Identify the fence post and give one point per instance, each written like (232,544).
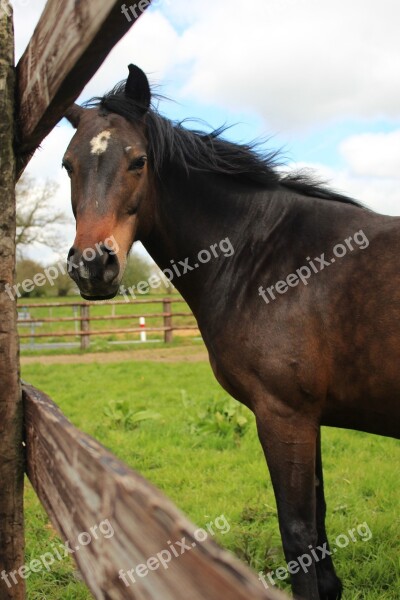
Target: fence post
(168,333)
(85,326)
(11,411)
(76,322)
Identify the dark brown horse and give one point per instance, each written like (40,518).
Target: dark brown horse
(301,320)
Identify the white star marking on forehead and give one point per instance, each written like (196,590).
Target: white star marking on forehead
(99,143)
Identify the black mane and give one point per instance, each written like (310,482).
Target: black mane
(170,142)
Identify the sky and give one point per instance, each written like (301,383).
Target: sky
(318,79)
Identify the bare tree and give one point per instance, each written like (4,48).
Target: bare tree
(38,222)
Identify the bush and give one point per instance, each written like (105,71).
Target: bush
(27,269)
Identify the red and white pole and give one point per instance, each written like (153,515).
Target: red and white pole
(142,325)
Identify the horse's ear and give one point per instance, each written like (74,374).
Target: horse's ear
(73,114)
(137,87)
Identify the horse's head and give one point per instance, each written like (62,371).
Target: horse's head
(110,188)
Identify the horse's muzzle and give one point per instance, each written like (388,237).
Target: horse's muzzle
(95,271)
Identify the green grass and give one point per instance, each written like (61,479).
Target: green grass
(207,474)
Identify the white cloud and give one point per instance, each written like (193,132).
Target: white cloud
(373,154)
(26,15)
(46,162)
(295,63)
(381,194)
(152,44)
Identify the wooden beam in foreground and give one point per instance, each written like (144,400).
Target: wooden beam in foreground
(69,44)
(11,419)
(82,485)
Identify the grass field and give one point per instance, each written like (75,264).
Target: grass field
(208,469)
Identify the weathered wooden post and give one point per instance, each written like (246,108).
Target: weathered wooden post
(168,333)
(85,326)
(11,414)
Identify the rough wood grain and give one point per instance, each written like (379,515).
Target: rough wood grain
(69,44)
(81,484)
(11,450)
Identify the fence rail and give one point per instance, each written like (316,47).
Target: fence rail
(83,320)
(81,484)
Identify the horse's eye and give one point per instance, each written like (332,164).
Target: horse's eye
(138,163)
(67,166)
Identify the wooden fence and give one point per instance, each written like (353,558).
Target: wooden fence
(77,480)
(83,319)
(80,483)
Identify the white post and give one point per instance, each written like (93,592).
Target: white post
(142,325)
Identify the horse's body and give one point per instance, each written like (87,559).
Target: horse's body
(322,351)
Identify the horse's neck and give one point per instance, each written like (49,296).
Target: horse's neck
(202,204)
(194,214)
(203,209)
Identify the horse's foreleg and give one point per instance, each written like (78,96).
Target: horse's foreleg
(289,445)
(329,585)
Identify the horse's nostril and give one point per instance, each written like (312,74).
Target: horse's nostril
(106,252)
(111,266)
(71,252)
(107,255)
(71,260)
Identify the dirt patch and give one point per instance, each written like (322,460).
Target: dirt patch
(167,355)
